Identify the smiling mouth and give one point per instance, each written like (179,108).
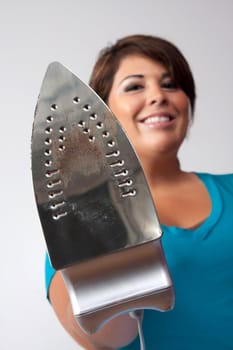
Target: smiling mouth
(157,119)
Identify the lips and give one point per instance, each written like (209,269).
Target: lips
(157,118)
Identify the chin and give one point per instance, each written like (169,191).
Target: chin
(157,151)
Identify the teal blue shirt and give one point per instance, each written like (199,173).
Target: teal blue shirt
(201,266)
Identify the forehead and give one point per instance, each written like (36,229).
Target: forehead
(138,64)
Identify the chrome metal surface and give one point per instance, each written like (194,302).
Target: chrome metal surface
(90,189)
(131,279)
(95,207)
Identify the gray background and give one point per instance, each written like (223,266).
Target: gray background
(34,33)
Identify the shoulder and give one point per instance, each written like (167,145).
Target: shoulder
(228,177)
(224,181)
(49,274)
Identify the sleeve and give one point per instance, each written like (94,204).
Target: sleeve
(49,273)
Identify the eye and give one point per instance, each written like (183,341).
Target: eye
(133,87)
(169,85)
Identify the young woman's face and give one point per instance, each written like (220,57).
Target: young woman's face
(151,108)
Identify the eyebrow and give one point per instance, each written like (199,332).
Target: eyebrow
(132,76)
(164,75)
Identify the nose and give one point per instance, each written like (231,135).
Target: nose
(156,95)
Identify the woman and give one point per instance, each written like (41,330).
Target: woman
(148,85)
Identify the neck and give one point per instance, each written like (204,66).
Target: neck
(162,171)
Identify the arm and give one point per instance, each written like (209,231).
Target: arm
(117,333)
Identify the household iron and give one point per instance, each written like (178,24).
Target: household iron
(97,214)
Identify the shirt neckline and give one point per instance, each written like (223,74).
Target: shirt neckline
(216,208)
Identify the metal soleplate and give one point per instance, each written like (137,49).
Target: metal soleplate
(91,192)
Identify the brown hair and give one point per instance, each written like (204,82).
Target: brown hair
(153,47)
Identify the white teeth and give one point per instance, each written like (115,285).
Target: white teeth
(157,119)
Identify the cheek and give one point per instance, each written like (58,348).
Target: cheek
(123,110)
(184,104)
(124,113)
(183,107)
(115,107)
